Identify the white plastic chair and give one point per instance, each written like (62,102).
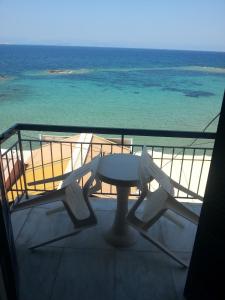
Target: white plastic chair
(75,199)
(158,202)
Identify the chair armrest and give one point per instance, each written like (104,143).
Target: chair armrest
(185,190)
(41,199)
(78,173)
(47,180)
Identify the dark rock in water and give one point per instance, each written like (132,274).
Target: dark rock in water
(2,95)
(3,77)
(196,94)
(171,89)
(69,71)
(55,71)
(59,71)
(136,92)
(189,93)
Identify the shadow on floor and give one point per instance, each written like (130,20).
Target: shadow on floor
(86,267)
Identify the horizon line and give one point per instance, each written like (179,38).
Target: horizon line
(110,47)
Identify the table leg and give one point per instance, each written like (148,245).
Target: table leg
(121,234)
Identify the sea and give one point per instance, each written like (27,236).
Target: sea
(110,87)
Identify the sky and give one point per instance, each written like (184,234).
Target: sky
(158,24)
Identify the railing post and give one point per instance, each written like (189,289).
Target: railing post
(23,165)
(122,141)
(8,252)
(3,194)
(2,186)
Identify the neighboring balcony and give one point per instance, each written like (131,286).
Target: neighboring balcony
(86,266)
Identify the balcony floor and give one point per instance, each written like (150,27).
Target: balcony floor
(86,267)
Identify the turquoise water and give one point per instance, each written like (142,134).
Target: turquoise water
(128,88)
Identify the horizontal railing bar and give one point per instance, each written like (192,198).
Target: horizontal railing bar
(120,131)
(155,158)
(116,144)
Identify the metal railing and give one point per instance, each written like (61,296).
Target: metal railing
(188,165)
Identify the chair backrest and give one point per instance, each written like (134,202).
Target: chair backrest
(148,169)
(147,166)
(155,204)
(76,199)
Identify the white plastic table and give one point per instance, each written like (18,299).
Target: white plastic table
(121,170)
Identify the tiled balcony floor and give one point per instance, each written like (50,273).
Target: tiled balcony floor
(86,267)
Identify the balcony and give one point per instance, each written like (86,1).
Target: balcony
(86,266)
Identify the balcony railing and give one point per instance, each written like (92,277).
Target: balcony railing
(187,165)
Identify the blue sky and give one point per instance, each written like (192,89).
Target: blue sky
(164,24)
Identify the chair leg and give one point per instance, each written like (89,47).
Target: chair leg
(54,240)
(163,248)
(55,210)
(180,209)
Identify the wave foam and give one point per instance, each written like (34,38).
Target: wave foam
(205,69)
(68,72)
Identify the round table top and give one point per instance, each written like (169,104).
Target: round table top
(119,169)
